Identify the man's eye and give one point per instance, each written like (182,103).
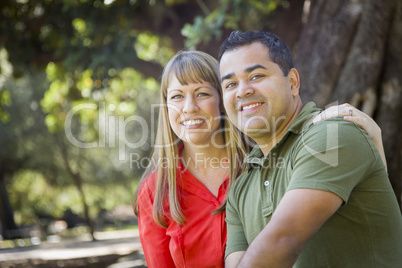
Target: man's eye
(254,77)
(203,94)
(230,85)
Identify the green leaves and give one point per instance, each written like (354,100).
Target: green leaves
(203,29)
(152,47)
(230,15)
(5,100)
(102,54)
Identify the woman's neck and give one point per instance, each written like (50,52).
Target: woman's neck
(204,157)
(208,165)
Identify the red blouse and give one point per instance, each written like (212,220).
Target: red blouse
(200,242)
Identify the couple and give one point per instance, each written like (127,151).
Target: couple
(309,194)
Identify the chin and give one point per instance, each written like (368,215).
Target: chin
(195,141)
(256,131)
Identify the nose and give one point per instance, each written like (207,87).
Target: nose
(244,90)
(190,106)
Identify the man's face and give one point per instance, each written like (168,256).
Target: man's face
(257,96)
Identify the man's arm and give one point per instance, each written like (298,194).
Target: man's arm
(236,243)
(299,215)
(233,259)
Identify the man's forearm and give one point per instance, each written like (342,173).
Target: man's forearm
(299,215)
(233,260)
(270,250)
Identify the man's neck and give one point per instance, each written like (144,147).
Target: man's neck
(270,141)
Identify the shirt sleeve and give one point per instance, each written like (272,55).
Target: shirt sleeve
(334,156)
(236,239)
(155,242)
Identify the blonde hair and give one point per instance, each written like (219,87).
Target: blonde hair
(187,67)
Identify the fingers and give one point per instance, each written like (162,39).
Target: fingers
(348,110)
(366,123)
(338,110)
(351,114)
(357,120)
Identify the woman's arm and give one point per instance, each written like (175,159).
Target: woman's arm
(354,115)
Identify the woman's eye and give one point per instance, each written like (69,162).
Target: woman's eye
(176,97)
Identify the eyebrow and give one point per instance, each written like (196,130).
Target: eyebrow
(181,91)
(228,76)
(247,70)
(252,68)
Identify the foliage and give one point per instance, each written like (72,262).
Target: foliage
(87,72)
(5,96)
(39,185)
(36,191)
(230,14)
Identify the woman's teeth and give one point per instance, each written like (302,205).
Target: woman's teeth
(192,122)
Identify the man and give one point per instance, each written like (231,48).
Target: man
(312,195)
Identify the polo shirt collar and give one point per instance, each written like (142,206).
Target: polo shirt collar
(304,119)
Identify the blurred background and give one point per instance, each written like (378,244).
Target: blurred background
(79,83)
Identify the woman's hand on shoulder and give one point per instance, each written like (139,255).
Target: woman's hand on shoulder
(354,115)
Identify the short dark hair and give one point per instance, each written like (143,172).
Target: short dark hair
(278,51)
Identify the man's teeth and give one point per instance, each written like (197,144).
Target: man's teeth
(251,106)
(192,122)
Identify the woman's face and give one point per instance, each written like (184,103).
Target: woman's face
(194,113)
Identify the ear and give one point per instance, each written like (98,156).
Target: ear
(294,81)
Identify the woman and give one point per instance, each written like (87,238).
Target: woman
(184,226)
(180,201)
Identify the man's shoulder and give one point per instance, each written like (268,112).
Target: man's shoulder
(335,139)
(335,127)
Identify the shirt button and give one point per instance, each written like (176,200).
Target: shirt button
(266,183)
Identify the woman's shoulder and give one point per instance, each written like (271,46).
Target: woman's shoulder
(146,194)
(148,182)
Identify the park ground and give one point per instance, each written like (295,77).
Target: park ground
(112,249)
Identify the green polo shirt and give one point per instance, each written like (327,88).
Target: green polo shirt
(335,156)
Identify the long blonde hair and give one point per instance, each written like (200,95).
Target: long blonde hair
(187,67)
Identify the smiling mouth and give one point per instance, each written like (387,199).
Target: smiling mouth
(248,107)
(192,122)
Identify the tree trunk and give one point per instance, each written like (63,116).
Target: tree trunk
(76,176)
(9,229)
(288,24)
(350,51)
(390,105)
